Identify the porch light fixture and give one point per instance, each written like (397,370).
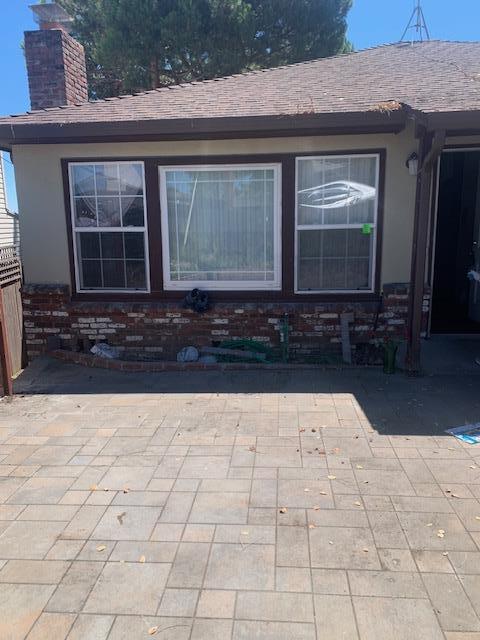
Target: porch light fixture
(412,164)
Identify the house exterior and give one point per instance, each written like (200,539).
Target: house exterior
(9,228)
(302,192)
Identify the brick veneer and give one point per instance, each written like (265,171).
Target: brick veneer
(56,69)
(163,328)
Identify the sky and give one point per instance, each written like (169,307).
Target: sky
(370,22)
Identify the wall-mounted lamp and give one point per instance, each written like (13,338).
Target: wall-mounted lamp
(412,164)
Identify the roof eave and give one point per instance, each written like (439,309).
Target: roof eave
(454,122)
(230,127)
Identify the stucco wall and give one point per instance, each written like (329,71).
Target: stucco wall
(41,199)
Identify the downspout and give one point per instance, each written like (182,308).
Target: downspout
(430,148)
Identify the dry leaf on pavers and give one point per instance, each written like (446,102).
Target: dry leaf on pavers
(330,542)
(359,466)
(357,504)
(472,466)
(252,449)
(126,489)
(335,450)
(365,550)
(307,489)
(441,533)
(283,510)
(302,429)
(445,553)
(152,631)
(477,517)
(316,507)
(121,516)
(106,489)
(245,533)
(142,559)
(314,431)
(101,547)
(332,477)
(93,487)
(311,526)
(430,524)
(323,493)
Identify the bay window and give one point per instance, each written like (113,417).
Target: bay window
(109,226)
(221,226)
(336,223)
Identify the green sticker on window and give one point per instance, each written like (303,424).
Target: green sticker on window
(367,229)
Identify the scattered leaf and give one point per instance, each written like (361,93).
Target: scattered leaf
(311,526)
(314,431)
(430,524)
(359,466)
(245,533)
(307,489)
(445,553)
(142,559)
(441,533)
(126,489)
(477,517)
(121,516)
(454,495)
(93,487)
(252,448)
(332,477)
(357,503)
(365,550)
(330,542)
(302,429)
(101,547)
(472,466)
(322,493)
(106,489)
(283,510)
(316,507)
(152,631)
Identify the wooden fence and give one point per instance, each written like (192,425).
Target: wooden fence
(11,321)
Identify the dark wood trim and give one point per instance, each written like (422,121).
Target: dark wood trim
(154,225)
(68,219)
(471,146)
(286,294)
(423,203)
(203,128)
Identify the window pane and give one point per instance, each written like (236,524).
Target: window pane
(113,274)
(134,245)
(83,180)
(135,274)
(108,211)
(91,274)
(112,245)
(106,176)
(85,213)
(131,179)
(333,190)
(221,224)
(132,211)
(89,245)
(334,259)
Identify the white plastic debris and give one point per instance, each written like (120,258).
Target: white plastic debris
(474,275)
(104,350)
(187,354)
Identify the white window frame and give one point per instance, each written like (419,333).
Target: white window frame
(96,229)
(226,285)
(320,227)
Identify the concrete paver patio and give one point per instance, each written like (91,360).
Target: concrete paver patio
(293,505)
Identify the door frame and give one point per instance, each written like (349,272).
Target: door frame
(432,235)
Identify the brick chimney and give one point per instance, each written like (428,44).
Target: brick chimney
(55,61)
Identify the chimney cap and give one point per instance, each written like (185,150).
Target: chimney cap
(52,13)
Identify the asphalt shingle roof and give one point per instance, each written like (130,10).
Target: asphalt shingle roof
(432,77)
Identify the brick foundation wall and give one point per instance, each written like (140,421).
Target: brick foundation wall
(56,67)
(161,328)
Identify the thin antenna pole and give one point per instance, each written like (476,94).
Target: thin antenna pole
(417,23)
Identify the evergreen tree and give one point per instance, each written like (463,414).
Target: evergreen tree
(133,45)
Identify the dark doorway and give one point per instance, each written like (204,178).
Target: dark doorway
(456,297)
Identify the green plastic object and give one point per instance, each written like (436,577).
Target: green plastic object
(247,345)
(367,229)
(390,357)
